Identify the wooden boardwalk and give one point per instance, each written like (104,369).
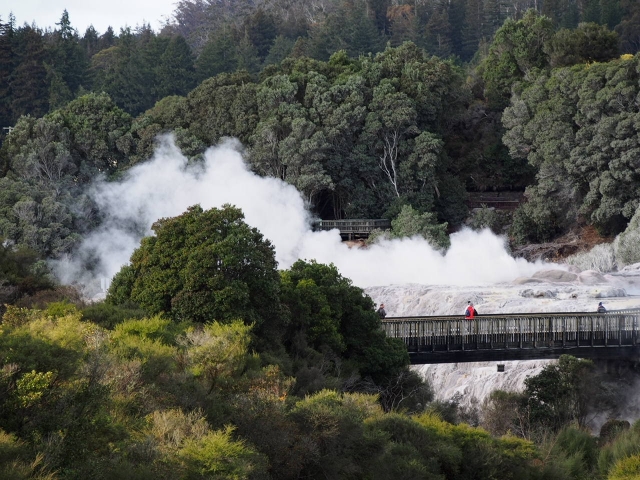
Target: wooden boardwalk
(452,339)
(354,228)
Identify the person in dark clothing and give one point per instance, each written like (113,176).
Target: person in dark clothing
(381,311)
(470,312)
(601,308)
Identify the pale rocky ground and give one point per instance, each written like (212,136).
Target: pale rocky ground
(559,290)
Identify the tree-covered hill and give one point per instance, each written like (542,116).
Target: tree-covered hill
(400,134)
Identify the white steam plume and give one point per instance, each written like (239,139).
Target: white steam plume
(167,185)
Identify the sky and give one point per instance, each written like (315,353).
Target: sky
(82,13)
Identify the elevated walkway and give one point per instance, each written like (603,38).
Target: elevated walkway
(353,228)
(526,336)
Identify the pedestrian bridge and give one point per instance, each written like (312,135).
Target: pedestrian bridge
(518,336)
(354,228)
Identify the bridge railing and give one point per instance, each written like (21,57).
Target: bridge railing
(516,331)
(354,227)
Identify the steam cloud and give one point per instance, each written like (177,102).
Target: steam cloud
(167,185)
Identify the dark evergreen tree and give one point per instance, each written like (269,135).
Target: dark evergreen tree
(218,56)
(472,29)
(611,13)
(456,15)
(493,18)
(629,27)
(67,64)
(281,48)
(563,13)
(592,11)
(438,33)
(7,64)
(363,36)
(28,81)
(589,42)
(404,25)
(107,39)
(247,56)
(176,72)
(261,31)
(123,73)
(379,10)
(90,41)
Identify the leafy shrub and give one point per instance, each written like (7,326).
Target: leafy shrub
(534,221)
(491,218)
(171,428)
(108,315)
(410,222)
(32,386)
(133,340)
(612,428)
(625,445)
(58,294)
(15,461)
(579,448)
(600,258)
(626,469)
(626,246)
(60,309)
(218,455)
(217,352)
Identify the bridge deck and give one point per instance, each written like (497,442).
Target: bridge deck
(517,336)
(354,228)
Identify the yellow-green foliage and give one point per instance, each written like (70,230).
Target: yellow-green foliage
(625,445)
(60,309)
(325,407)
(217,351)
(31,387)
(15,316)
(146,340)
(41,342)
(171,428)
(506,458)
(218,455)
(626,469)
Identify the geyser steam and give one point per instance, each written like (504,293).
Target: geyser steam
(167,185)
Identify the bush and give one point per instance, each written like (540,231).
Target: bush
(486,217)
(108,316)
(626,469)
(626,246)
(217,455)
(534,222)
(600,258)
(626,445)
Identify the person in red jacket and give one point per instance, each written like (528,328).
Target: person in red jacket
(470,312)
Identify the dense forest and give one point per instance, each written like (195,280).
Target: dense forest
(205,360)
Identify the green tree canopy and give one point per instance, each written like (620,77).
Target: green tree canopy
(205,266)
(329,314)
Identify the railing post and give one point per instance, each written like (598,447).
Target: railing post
(620,320)
(519,332)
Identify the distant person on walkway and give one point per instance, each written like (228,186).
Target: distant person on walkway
(470,312)
(381,311)
(601,308)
